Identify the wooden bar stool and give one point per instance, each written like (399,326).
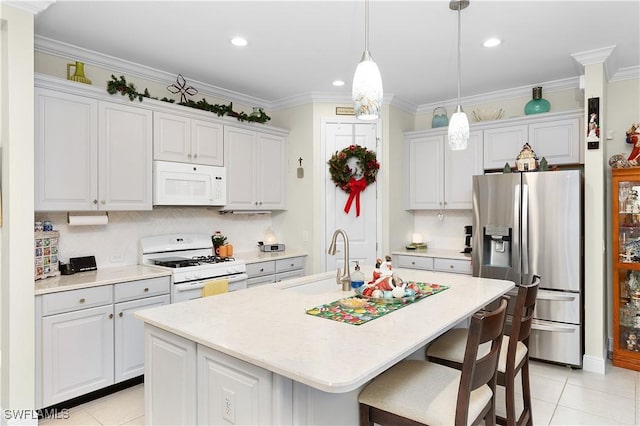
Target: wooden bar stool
(420,392)
(449,349)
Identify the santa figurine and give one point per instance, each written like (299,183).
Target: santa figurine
(633,137)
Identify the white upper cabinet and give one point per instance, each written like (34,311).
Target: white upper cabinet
(554,136)
(90,154)
(436,177)
(187,140)
(256,169)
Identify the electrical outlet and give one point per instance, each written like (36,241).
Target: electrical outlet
(117,257)
(228,405)
(305,236)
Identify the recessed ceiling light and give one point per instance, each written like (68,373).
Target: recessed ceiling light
(492,42)
(338,83)
(239,41)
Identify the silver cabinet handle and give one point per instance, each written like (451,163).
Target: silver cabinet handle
(146,289)
(110,316)
(82,300)
(120,314)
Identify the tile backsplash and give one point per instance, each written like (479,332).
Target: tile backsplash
(447,233)
(116,243)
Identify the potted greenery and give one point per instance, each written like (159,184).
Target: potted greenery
(218,240)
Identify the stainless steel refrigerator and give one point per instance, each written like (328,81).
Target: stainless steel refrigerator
(531,223)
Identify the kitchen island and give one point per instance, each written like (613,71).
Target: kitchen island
(257,357)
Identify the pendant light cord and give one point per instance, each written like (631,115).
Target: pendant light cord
(366,25)
(459,67)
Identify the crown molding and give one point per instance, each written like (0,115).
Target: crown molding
(596,56)
(121,66)
(501,95)
(33,7)
(629,73)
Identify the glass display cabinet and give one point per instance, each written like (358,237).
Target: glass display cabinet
(625,222)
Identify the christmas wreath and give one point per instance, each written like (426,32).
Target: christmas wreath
(353,181)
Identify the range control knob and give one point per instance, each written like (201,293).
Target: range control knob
(189,275)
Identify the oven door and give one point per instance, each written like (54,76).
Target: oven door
(193,289)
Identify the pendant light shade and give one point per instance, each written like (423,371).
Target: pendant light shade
(459,124)
(366,91)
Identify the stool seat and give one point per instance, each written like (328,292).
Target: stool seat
(423,392)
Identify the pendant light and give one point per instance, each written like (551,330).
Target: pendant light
(366,91)
(459,123)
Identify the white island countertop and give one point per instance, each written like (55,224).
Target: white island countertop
(267,326)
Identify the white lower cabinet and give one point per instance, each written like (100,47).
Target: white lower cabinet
(438,264)
(129,341)
(231,391)
(187,383)
(77,353)
(271,271)
(85,341)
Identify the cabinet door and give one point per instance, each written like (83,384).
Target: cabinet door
(171,137)
(424,172)
(557,141)
(129,337)
(124,157)
(66,152)
(502,145)
(271,167)
(77,353)
(206,143)
(239,157)
(459,167)
(231,391)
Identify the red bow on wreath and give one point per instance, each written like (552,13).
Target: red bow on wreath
(356,186)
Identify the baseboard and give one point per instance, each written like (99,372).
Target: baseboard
(594,364)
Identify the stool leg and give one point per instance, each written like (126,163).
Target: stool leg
(526,393)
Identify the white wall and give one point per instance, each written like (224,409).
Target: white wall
(16,235)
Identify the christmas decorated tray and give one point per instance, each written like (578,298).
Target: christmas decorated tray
(389,300)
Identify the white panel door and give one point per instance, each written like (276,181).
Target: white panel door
(129,336)
(66,152)
(77,353)
(171,137)
(271,172)
(425,172)
(124,157)
(239,153)
(459,167)
(502,145)
(362,230)
(207,143)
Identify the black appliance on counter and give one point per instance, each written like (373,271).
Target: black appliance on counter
(468,232)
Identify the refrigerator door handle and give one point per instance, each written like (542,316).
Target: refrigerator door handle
(516,226)
(525,230)
(557,297)
(548,326)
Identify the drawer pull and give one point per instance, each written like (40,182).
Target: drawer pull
(261,269)
(146,289)
(110,316)
(292,265)
(413,262)
(451,266)
(82,300)
(120,314)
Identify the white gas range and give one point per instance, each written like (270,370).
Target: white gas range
(190,259)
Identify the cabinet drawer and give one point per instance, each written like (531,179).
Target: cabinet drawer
(142,288)
(290,264)
(452,265)
(265,279)
(415,262)
(261,268)
(290,274)
(65,301)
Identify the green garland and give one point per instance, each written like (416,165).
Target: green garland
(128,89)
(340,171)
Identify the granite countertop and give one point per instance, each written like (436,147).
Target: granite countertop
(100,277)
(267,326)
(259,256)
(434,252)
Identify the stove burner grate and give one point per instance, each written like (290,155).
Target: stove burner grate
(175,262)
(212,259)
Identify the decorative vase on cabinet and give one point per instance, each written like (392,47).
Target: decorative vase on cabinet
(537,104)
(626,267)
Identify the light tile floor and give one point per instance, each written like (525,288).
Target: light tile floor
(561,396)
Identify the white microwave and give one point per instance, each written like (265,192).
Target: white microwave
(184,184)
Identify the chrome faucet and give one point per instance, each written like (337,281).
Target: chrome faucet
(344,280)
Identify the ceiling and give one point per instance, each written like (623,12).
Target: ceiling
(300,47)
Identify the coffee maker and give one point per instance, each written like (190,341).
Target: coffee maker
(468,231)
